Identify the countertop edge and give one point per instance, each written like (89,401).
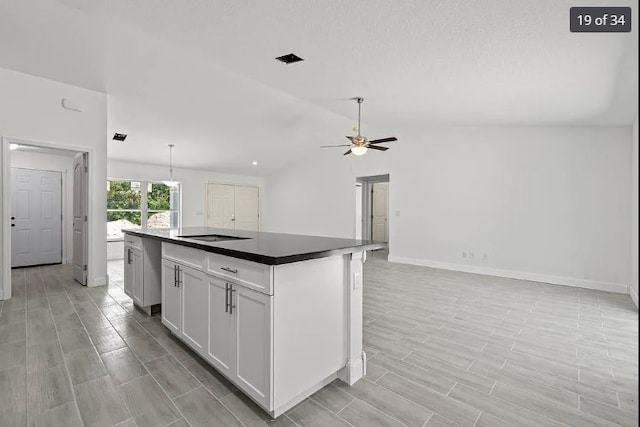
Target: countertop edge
(261,259)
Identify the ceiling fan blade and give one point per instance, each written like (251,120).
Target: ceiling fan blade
(348,152)
(375,147)
(350,138)
(332,146)
(378,141)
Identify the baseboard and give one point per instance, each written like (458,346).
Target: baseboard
(634,295)
(98,281)
(522,275)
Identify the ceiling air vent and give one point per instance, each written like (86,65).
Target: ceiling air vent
(290,58)
(119,136)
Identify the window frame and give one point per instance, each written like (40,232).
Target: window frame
(144,208)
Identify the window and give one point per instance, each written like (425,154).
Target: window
(139,204)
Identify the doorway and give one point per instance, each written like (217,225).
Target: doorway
(372,208)
(45,208)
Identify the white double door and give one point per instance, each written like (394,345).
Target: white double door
(36,217)
(235,207)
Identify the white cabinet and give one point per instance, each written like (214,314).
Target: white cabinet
(220,348)
(142,271)
(184,303)
(171,297)
(240,336)
(276,357)
(252,342)
(137,262)
(194,307)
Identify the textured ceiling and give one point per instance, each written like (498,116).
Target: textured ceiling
(201,73)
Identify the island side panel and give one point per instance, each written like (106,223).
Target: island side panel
(355,367)
(309,328)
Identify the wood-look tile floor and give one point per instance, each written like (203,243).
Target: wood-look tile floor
(443,349)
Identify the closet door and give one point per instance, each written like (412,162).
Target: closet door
(247,208)
(220,206)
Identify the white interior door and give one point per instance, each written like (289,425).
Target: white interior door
(220,206)
(80,185)
(36,217)
(380,212)
(247,208)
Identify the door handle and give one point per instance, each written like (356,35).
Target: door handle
(226,297)
(231,306)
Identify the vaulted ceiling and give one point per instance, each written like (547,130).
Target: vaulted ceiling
(201,74)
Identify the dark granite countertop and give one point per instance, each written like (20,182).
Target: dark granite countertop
(264,248)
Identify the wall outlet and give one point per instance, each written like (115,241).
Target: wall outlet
(471,254)
(464,254)
(357,280)
(397,213)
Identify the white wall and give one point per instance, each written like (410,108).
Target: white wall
(193,184)
(30,110)
(318,196)
(547,204)
(64,165)
(634,217)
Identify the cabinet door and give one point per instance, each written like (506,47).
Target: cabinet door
(138,276)
(220,344)
(171,297)
(128,271)
(252,328)
(194,307)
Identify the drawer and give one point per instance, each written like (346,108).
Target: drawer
(184,255)
(247,273)
(133,241)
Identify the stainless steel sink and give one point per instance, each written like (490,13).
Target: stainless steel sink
(213,237)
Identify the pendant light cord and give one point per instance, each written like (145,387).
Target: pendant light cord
(359,108)
(170,162)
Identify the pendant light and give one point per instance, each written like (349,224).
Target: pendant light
(171,182)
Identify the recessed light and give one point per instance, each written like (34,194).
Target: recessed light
(13,146)
(119,136)
(254,163)
(289,58)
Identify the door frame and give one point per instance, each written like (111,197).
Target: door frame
(5,224)
(367,200)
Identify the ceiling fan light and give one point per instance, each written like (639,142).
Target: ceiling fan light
(171,183)
(359,151)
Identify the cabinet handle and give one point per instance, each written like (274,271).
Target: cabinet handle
(231,306)
(230,270)
(128,256)
(179,271)
(175,275)
(226,297)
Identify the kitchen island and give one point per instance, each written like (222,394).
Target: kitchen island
(280,315)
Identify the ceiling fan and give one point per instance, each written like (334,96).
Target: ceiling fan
(360,144)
